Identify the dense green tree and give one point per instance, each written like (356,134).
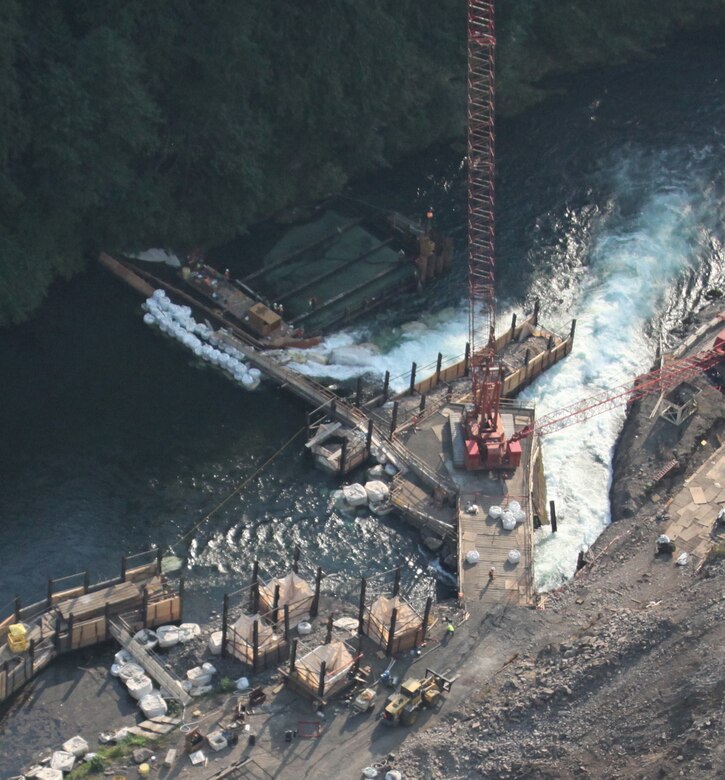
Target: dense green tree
(128,123)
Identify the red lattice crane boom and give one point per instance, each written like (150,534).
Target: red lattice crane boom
(657,381)
(485,441)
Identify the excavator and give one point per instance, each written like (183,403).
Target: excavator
(403,707)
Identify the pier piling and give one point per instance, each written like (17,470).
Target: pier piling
(225,623)
(391,632)
(552,516)
(394,420)
(361,610)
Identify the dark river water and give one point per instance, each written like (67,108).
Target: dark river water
(112,439)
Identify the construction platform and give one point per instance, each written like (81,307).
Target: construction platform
(78,614)
(436,440)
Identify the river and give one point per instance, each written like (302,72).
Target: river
(610,209)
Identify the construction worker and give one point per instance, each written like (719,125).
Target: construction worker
(491,573)
(429,220)
(450,630)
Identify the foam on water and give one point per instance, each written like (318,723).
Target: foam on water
(633,266)
(349,354)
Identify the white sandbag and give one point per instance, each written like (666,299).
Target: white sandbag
(507,521)
(146,638)
(115,670)
(208,668)
(122,657)
(390,469)
(519,516)
(355,494)
(304,628)
(215,643)
(76,745)
(149,318)
(201,690)
(130,670)
(153,705)
(242,684)
(495,512)
(473,556)
(514,506)
(198,676)
(514,556)
(683,559)
(46,773)
(376,472)
(377,491)
(62,761)
(168,636)
(189,631)
(140,686)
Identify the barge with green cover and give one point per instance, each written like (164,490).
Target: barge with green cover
(329,265)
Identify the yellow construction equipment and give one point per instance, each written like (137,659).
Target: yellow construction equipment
(404,706)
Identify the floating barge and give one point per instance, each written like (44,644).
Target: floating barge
(336,262)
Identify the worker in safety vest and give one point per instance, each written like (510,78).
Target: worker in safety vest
(450,629)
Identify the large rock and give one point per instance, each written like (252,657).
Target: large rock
(140,755)
(433,543)
(450,562)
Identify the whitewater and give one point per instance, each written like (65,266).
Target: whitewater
(626,266)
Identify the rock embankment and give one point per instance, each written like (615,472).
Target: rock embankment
(636,691)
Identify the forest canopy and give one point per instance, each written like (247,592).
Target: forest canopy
(129,124)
